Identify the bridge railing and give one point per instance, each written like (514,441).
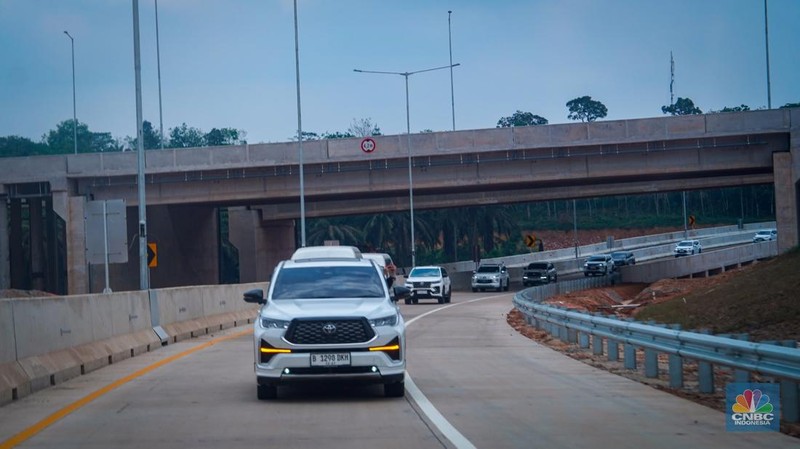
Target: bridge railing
(605,334)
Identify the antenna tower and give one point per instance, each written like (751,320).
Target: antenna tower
(671,79)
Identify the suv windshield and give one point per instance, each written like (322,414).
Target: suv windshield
(328,282)
(488,269)
(537,266)
(424,272)
(597,259)
(685,244)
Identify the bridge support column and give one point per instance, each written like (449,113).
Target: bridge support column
(5,263)
(78,274)
(275,241)
(786,176)
(242,228)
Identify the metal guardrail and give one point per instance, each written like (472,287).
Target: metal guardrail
(745,358)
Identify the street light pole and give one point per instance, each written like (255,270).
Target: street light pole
(408,140)
(158,64)
(299,134)
(766,38)
(144,273)
(452,93)
(74,109)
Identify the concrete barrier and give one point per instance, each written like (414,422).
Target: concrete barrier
(45,341)
(699,265)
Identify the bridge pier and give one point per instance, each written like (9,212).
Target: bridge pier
(5,264)
(787,172)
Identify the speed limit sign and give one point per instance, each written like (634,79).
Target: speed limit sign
(368,145)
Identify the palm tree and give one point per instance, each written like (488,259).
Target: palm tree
(379,231)
(331,229)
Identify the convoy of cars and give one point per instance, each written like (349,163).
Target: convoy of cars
(330,312)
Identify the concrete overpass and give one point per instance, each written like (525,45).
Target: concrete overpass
(260,185)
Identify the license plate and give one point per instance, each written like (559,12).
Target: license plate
(330,359)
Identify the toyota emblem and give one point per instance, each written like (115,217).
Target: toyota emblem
(329,329)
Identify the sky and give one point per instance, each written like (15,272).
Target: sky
(232,63)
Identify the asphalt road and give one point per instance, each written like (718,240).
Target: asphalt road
(474,382)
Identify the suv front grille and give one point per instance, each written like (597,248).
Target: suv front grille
(316,331)
(422,284)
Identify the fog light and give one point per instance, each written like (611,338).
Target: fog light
(374,369)
(286,371)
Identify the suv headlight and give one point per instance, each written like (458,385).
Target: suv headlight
(270,323)
(390,320)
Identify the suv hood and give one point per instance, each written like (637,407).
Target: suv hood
(424,279)
(305,308)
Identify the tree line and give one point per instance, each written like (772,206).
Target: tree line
(586,109)
(61,140)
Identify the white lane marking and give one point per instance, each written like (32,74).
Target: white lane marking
(434,416)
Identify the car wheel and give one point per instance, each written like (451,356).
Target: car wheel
(449,295)
(555,278)
(414,300)
(474,289)
(508,285)
(408,300)
(266,392)
(395,390)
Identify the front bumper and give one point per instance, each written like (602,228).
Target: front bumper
(535,279)
(366,366)
(433,291)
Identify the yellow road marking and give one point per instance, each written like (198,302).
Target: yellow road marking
(31,431)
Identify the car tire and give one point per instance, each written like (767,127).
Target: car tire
(508,285)
(414,300)
(408,300)
(266,392)
(449,295)
(474,289)
(394,390)
(555,278)
(440,299)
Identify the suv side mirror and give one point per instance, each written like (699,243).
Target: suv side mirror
(400,292)
(255,296)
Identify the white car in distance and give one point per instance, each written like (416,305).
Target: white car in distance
(765,235)
(428,282)
(687,248)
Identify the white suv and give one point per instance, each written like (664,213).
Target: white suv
(765,235)
(428,282)
(328,315)
(490,275)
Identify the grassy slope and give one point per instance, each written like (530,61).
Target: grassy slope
(763,301)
